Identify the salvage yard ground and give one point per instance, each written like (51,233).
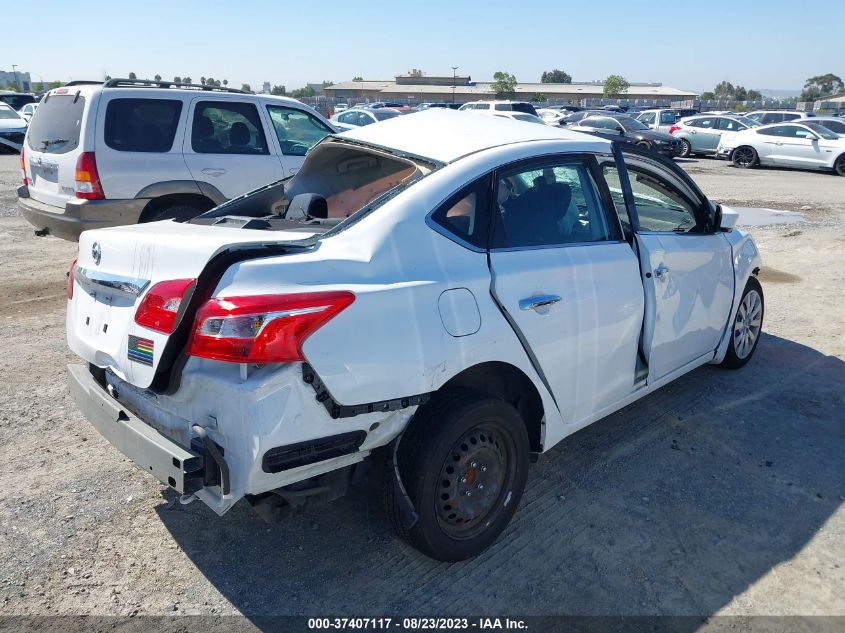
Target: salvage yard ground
(721,493)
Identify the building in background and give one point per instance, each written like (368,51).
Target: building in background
(265,87)
(19,79)
(418,87)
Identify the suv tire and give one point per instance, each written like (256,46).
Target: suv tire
(178,212)
(463,461)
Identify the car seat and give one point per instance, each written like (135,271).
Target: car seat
(203,133)
(239,135)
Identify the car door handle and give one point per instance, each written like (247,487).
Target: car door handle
(213,171)
(540,301)
(660,271)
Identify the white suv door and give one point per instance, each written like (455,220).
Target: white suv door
(568,282)
(226,145)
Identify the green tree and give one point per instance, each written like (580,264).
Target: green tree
(157,77)
(278,90)
(821,86)
(724,89)
(225,82)
(133,76)
(307,91)
(615,85)
(177,79)
(556,76)
(12,87)
(56,84)
(186,80)
(754,95)
(504,84)
(358,78)
(202,80)
(707,96)
(210,81)
(246,88)
(541,97)
(326,84)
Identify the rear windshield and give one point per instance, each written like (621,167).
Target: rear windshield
(141,125)
(527,108)
(55,126)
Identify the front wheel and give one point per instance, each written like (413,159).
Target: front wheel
(464,462)
(839,166)
(747,326)
(686,149)
(744,157)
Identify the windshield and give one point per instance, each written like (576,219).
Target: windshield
(632,124)
(381,115)
(530,118)
(8,113)
(822,131)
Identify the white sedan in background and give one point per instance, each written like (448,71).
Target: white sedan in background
(12,129)
(803,145)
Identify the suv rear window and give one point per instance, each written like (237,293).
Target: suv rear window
(142,125)
(527,108)
(55,127)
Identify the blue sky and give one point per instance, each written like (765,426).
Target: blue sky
(757,43)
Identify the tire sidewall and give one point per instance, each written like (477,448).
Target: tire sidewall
(753,161)
(425,494)
(732,360)
(686,148)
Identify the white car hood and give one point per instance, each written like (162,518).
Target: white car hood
(13,125)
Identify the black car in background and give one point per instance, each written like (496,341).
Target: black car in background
(620,127)
(17,100)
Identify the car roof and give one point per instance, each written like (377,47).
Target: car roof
(445,135)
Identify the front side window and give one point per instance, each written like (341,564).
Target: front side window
(730,125)
(350,118)
(141,125)
(227,127)
(604,123)
(660,205)
(647,118)
(554,204)
(297,130)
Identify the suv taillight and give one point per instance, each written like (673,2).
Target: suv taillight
(160,306)
(262,329)
(86,180)
(23,168)
(674,129)
(71,276)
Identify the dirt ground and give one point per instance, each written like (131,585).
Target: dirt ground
(720,494)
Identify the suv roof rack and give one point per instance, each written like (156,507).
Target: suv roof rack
(81,82)
(150,83)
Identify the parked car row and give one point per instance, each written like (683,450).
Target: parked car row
(12,129)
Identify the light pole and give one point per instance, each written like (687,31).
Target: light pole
(15,70)
(454,74)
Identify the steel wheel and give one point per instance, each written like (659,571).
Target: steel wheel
(745,157)
(686,149)
(472,479)
(749,319)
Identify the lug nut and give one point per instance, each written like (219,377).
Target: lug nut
(474,465)
(468,493)
(481,486)
(484,469)
(463,480)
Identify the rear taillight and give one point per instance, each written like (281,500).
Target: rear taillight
(160,306)
(674,129)
(86,181)
(70,279)
(23,168)
(262,329)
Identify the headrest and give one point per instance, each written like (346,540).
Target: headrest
(307,206)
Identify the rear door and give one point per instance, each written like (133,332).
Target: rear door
(687,270)
(54,142)
(665,120)
(567,281)
(226,146)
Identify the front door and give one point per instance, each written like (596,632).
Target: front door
(567,281)
(687,269)
(227,147)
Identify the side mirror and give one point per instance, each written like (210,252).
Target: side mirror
(724,218)
(621,131)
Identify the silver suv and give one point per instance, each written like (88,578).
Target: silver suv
(127,151)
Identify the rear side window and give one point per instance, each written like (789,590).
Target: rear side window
(227,127)
(730,125)
(526,108)
(56,125)
(465,214)
(667,117)
(702,123)
(142,125)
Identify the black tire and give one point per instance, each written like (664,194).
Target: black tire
(747,322)
(477,445)
(745,157)
(686,149)
(839,166)
(644,144)
(178,212)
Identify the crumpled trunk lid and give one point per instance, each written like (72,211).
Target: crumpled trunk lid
(117,267)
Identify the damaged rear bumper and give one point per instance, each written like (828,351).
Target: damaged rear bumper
(180,468)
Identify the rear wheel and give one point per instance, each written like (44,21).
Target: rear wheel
(644,144)
(747,326)
(744,157)
(686,149)
(839,166)
(178,212)
(464,463)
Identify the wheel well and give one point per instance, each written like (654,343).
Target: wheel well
(505,381)
(176,199)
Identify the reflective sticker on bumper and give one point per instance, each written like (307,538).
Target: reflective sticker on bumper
(140,350)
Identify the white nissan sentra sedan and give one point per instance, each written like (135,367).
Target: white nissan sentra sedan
(437,299)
